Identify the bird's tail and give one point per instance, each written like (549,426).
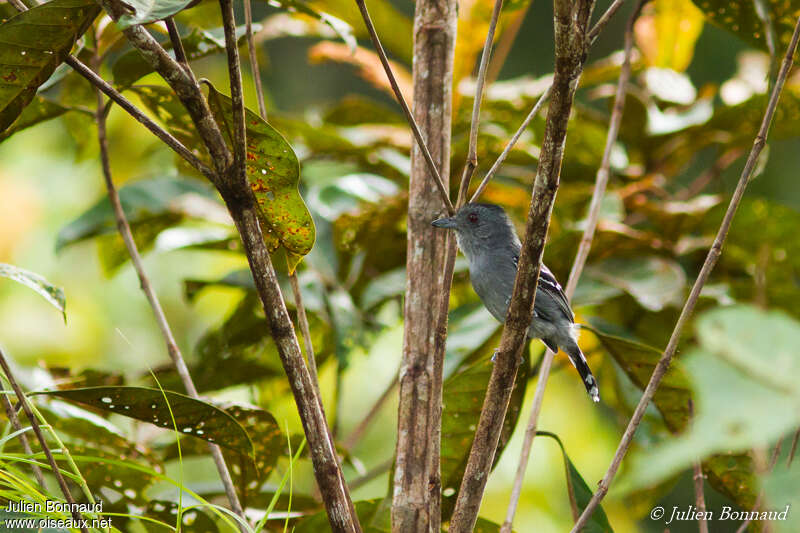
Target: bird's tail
(579,362)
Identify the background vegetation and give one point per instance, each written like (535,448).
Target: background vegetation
(697,93)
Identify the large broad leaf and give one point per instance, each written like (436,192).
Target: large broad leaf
(168,108)
(34,43)
(654,282)
(39,110)
(579,492)
(737,407)
(740,17)
(191,417)
(197,44)
(147,11)
(666,33)
(731,474)
(274,175)
(269,445)
(782,491)
(463,398)
(51,293)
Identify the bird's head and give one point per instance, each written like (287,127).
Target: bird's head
(480,227)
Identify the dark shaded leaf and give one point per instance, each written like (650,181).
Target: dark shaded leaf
(34,44)
(48,291)
(372,514)
(741,19)
(147,11)
(463,398)
(579,492)
(198,43)
(39,110)
(192,417)
(162,102)
(274,175)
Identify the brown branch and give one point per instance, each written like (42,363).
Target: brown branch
(251,49)
(11,413)
(302,320)
(416,501)
(570,21)
(591,38)
(423,147)
(177,44)
(472,153)
(241,204)
(23,400)
(711,259)
(239,133)
(793,448)
(699,497)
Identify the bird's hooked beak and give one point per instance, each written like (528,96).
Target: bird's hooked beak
(447,222)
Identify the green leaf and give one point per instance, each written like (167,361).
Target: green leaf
(654,282)
(147,11)
(198,43)
(736,408)
(192,417)
(168,108)
(51,293)
(34,43)
(463,398)
(372,514)
(39,110)
(579,492)
(274,174)
(782,490)
(268,445)
(740,18)
(194,519)
(342,28)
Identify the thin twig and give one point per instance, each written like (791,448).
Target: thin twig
(23,439)
(237,93)
(62,484)
(472,153)
(591,38)
(144,282)
(570,22)
(376,42)
(177,44)
(793,448)
(708,265)
(302,320)
(251,49)
(514,138)
(699,497)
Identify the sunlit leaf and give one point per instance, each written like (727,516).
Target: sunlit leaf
(198,43)
(463,398)
(51,293)
(191,417)
(274,175)
(147,11)
(168,108)
(34,44)
(667,31)
(579,492)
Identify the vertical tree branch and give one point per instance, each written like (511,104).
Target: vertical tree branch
(23,439)
(23,400)
(251,52)
(571,21)
(708,265)
(417,478)
(699,497)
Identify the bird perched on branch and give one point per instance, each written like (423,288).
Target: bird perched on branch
(488,239)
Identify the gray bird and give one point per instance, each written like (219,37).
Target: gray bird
(488,239)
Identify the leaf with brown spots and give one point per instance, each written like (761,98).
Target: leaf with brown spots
(32,45)
(274,175)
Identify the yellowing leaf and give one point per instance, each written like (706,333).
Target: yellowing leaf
(666,33)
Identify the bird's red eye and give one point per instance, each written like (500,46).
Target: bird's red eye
(472,217)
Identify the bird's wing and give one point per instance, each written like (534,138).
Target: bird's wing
(549,285)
